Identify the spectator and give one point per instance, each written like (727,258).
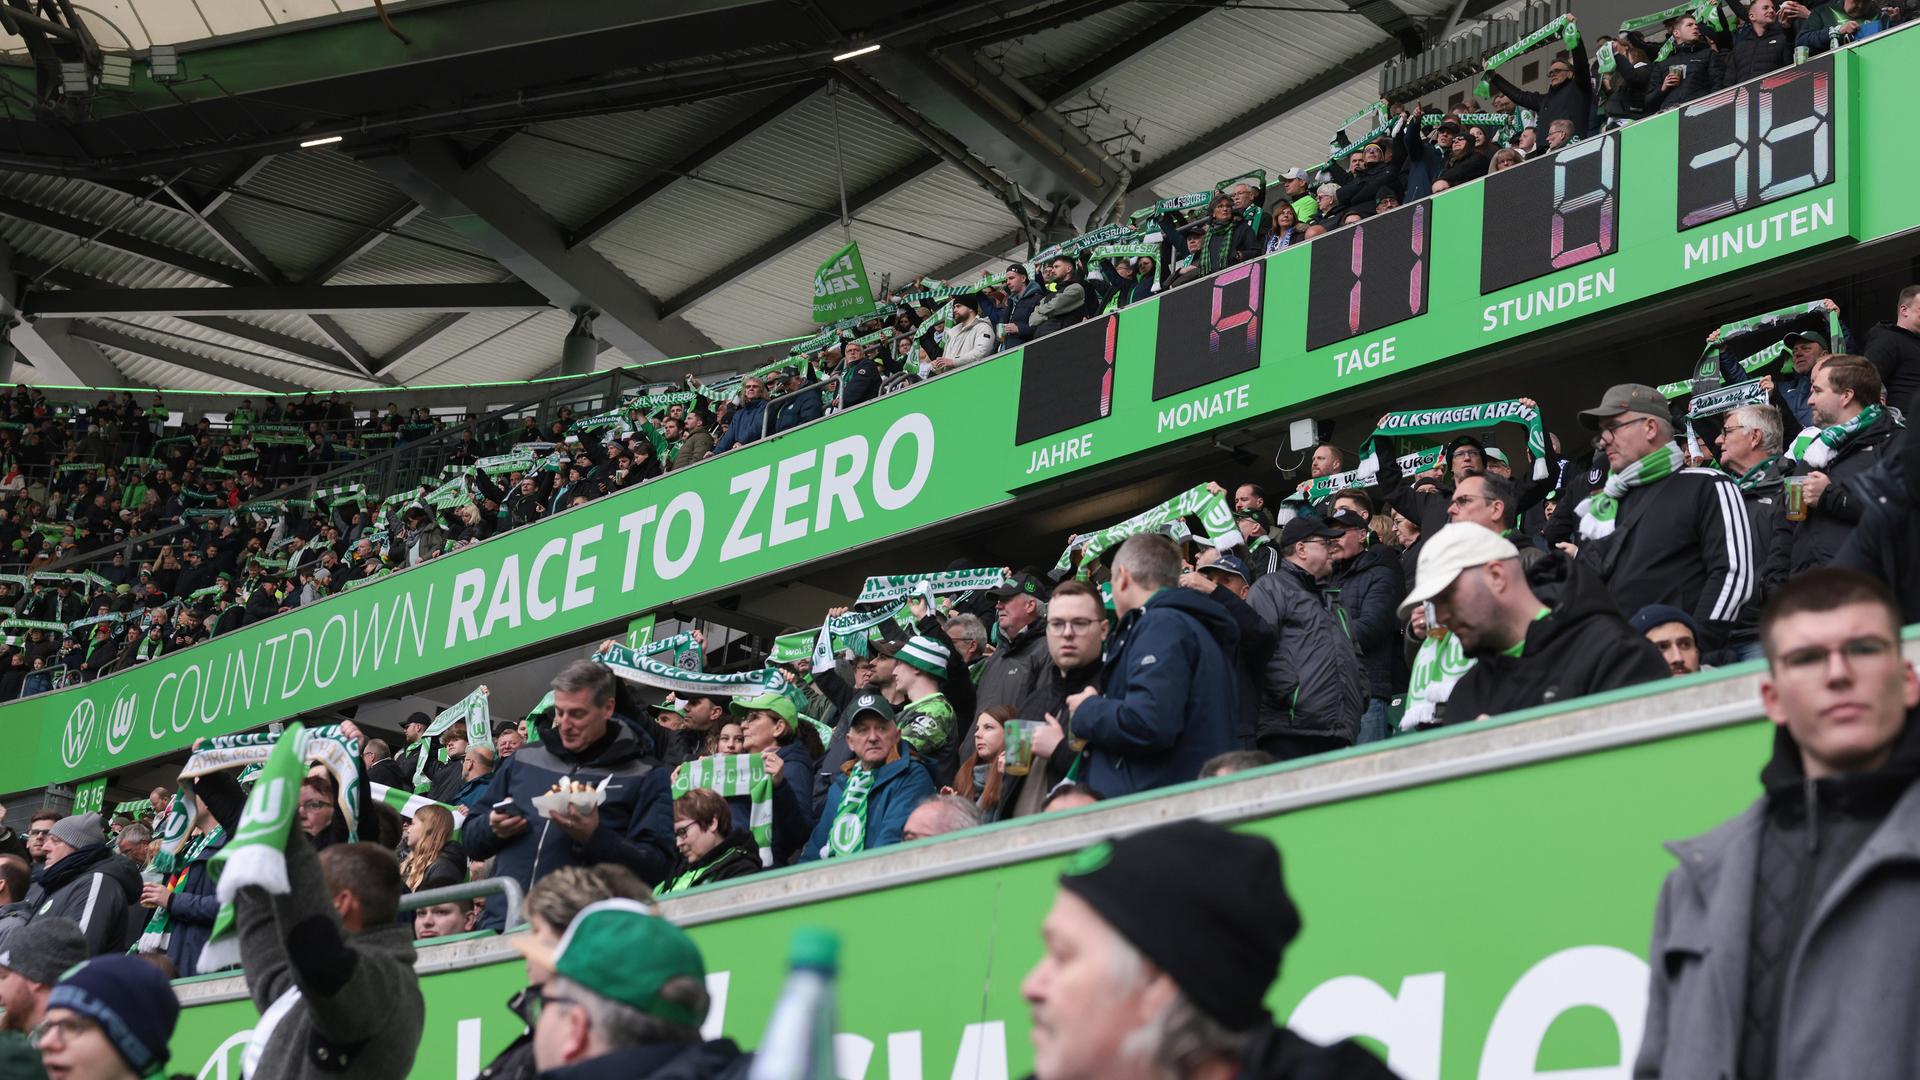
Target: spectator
(1671,631)
(333,943)
(626,998)
(382,767)
(16,877)
(1166,701)
(1070,796)
(1295,186)
(1151,969)
(476,774)
(1764,44)
(39,829)
(1810,347)
(860,378)
(710,848)
(982,777)
(1227,238)
(1023,296)
(1234,761)
(1016,667)
(1313,689)
(970,338)
(749,419)
(110,1018)
(770,726)
(31,962)
(507,737)
(444,920)
(1657,533)
(1569,93)
(970,644)
(1818,853)
(1750,444)
(434,858)
(1070,301)
(135,842)
(87,882)
(1894,348)
(551,906)
(867,806)
(1857,434)
(1076,636)
(584,742)
(939,814)
(1528,649)
(189,897)
(695,444)
(316,809)
(1367,585)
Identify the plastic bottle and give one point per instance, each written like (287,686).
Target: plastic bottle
(798,1042)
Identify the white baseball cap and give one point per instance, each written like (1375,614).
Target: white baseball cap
(1459,546)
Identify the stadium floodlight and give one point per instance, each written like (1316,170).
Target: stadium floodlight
(861,51)
(116,70)
(75,79)
(324,140)
(163,63)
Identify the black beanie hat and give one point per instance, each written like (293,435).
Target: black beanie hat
(1205,904)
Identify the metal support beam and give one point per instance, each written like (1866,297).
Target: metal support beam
(192,361)
(229,237)
(673,174)
(418,341)
(61,358)
(794,237)
(273,339)
(373,237)
(508,226)
(311,299)
(124,242)
(1150,36)
(234,180)
(355,352)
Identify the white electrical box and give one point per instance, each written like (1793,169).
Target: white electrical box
(1303,435)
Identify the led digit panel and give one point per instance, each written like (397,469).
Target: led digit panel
(1548,215)
(1066,379)
(1209,331)
(1754,143)
(1369,275)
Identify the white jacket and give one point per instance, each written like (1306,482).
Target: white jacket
(974,341)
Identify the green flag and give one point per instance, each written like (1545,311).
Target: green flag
(840,287)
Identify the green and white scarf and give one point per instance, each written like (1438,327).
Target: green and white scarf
(257,853)
(840,629)
(1437,667)
(159,930)
(1560,27)
(1410,465)
(406,803)
(1817,446)
(1751,479)
(1216,521)
(479,718)
(1726,399)
(849,832)
(1597,512)
(1464,418)
(900,586)
(733,776)
(1377,109)
(631,665)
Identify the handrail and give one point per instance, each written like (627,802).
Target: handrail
(767,415)
(472,890)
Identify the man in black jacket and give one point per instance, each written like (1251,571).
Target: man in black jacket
(1014,669)
(1894,348)
(1857,433)
(1224,578)
(1750,441)
(1764,44)
(1569,93)
(1694,52)
(1537,637)
(1367,584)
(1313,690)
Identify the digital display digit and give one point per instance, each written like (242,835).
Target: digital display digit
(1547,216)
(1751,144)
(1209,331)
(1066,379)
(1367,276)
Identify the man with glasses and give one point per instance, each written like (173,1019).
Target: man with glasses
(1656,532)
(1076,632)
(1783,943)
(31,962)
(1013,671)
(1313,690)
(38,830)
(1749,445)
(748,418)
(1569,94)
(1528,649)
(111,1018)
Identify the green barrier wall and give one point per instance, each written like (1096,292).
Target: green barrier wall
(1212,355)
(1489,925)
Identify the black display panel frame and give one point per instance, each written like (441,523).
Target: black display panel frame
(1543,217)
(1369,276)
(1209,330)
(1066,379)
(1730,146)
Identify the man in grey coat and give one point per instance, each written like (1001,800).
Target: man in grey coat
(1783,944)
(1313,690)
(87,882)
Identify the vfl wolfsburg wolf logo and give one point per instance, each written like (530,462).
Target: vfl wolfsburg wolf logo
(78,735)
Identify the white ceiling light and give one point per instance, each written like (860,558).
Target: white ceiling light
(861,51)
(322,141)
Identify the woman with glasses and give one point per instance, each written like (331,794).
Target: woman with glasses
(711,847)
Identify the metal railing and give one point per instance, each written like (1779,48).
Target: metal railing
(516,897)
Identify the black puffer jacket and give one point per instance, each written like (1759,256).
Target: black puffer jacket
(1313,685)
(1369,589)
(1895,351)
(1582,647)
(1799,546)
(1755,53)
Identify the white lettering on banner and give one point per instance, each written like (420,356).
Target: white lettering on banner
(1205,408)
(1372,354)
(1535,303)
(737,542)
(1754,235)
(1046,457)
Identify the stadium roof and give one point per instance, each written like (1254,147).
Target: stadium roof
(676,167)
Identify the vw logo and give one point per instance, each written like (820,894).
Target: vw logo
(79,733)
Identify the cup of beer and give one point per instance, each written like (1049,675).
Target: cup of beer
(1794,489)
(1017,758)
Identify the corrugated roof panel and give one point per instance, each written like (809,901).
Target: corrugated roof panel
(236,351)
(1299,138)
(573,169)
(401,260)
(165,376)
(483,347)
(940,218)
(380,332)
(137,24)
(105,208)
(303,207)
(1038,58)
(781,177)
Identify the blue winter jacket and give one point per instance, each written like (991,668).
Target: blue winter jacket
(797,410)
(744,427)
(792,805)
(636,821)
(1168,697)
(193,908)
(901,786)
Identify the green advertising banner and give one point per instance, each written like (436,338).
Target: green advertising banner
(1494,925)
(840,288)
(1631,217)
